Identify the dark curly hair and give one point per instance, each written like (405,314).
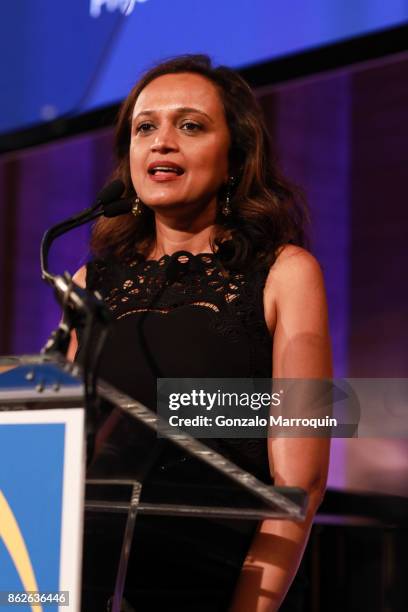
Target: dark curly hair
(267,211)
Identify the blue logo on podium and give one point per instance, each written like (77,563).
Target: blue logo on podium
(31,484)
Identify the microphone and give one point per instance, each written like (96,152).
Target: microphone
(114,209)
(107,203)
(68,293)
(80,300)
(82,307)
(110,193)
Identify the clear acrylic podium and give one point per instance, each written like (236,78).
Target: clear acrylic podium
(138,484)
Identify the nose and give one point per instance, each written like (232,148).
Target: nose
(165,140)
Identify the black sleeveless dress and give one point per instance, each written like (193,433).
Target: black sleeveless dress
(182,316)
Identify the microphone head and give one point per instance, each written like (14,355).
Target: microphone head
(114,209)
(110,192)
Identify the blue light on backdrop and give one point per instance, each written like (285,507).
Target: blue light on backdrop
(63,58)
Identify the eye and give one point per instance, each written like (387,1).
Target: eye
(144,128)
(191,126)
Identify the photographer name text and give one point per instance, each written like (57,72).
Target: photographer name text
(256,421)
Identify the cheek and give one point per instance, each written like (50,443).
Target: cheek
(135,156)
(214,162)
(136,164)
(221,156)
(220,165)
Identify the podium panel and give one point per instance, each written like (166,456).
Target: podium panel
(144,494)
(41,507)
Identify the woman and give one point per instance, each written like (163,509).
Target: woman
(208,278)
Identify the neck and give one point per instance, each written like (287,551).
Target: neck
(193,235)
(169,241)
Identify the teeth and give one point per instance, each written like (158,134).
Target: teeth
(165,169)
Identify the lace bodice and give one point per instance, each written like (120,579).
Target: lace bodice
(184,316)
(233,299)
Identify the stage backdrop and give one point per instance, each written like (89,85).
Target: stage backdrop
(343,136)
(48,73)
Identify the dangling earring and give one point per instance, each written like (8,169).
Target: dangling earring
(226,206)
(137,207)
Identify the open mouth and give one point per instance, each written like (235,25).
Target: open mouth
(165,169)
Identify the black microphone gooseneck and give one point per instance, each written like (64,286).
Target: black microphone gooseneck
(78,303)
(82,309)
(107,203)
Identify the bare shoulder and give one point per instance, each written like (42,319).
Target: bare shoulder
(80,277)
(294,268)
(294,261)
(293,277)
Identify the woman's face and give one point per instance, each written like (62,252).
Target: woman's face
(179,143)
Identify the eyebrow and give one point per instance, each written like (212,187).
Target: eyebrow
(179,111)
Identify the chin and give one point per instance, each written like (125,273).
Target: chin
(163,200)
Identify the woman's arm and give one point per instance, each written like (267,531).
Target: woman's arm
(80,279)
(295,306)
